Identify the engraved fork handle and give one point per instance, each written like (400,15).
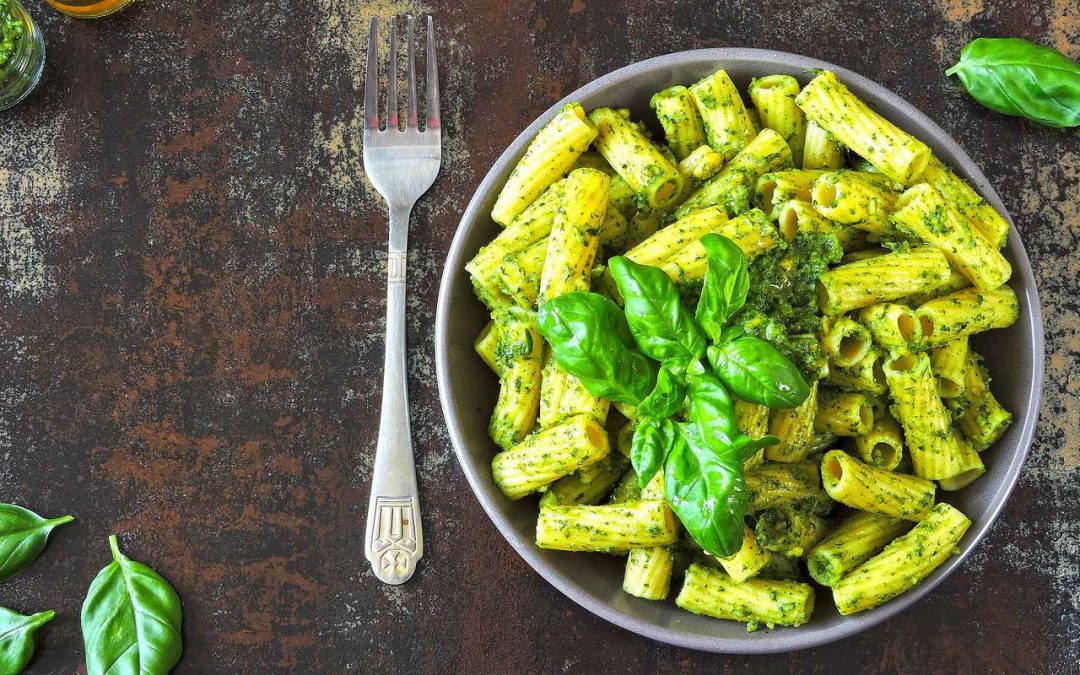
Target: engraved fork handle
(394,541)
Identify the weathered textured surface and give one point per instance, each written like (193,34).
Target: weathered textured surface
(191,321)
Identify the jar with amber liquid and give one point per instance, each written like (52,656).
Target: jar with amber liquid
(22,53)
(89,9)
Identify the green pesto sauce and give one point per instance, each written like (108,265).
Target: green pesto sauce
(11,31)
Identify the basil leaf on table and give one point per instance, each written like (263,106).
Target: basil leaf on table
(664,329)
(653,439)
(23,535)
(712,410)
(666,397)
(758,373)
(1016,77)
(727,283)
(131,620)
(590,340)
(707,492)
(17,638)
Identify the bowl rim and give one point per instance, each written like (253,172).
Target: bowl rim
(790,640)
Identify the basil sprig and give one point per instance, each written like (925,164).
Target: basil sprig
(1016,77)
(609,351)
(23,535)
(17,638)
(131,619)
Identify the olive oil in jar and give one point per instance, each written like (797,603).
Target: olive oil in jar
(89,9)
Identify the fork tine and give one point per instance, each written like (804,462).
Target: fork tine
(410,100)
(432,78)
(391,90)
(371,78)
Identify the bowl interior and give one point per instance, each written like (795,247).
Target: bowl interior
(468,389)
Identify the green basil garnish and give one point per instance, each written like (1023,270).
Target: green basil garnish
(131,620)
(653,439)
(712,410)
(590,340)
(1015,77)
(666,397)
(664,329)
(17,638)
(727,282)
(758,373)
(23,535)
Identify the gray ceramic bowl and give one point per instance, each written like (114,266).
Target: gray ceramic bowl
(468,389)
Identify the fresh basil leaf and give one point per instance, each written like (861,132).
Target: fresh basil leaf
(666,397)
(727,282)
(653,438)
(664,329)
(744,447)
(23,535)
(131,620)
(17,638)
(758,373)
(590,340)
(707,492)
(1015,77)
(712,410)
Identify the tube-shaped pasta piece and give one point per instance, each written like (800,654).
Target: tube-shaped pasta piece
(774,98)
(820,149)
(648,570)
(898,154)
(562,395)
(924,213)
(773,484)
(727,124)
(843,413)
(866,375)
(948,363)
(894,327)
(710,592)
(701,164)
(549,455)
(573,490)
(606,527)
(881,278)
(548,157)
(855,199)
(883,445)
(777,187)
(967,312)
(971,465)
(860,537)
(752,232)
(752,419)
(620,195)
(575,235)
(956,282)
(800,217)
(984,420)
(520,357)
(640,163)
(795,429)
(734,186)
(788,531)
(678,115)
(963,198)
(845,342)
(748,561)
(519,275)
(904,563)
(487,346)
(868,488)
(666,241)
(927,424)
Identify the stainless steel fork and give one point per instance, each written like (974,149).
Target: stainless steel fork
(401,165)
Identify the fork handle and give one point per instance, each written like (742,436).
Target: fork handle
(394,541)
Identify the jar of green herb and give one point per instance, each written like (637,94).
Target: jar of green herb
(22,53)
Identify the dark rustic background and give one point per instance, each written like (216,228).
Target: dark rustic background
(191,302)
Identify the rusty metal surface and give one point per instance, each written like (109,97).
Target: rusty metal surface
(191,291)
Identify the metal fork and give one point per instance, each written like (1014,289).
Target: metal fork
(401,165)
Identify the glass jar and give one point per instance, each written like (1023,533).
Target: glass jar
(89,9)
(21,68)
